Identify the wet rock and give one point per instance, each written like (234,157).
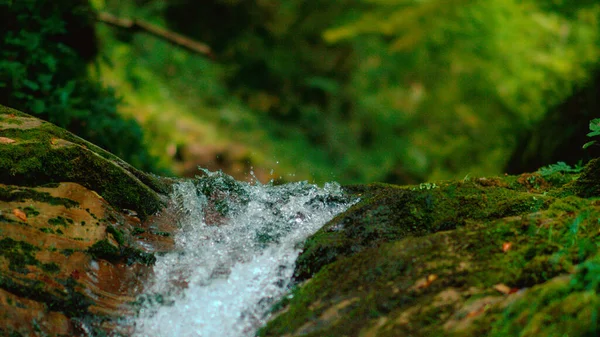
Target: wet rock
(72,259)
(504,256)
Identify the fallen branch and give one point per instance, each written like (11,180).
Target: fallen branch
(141,25)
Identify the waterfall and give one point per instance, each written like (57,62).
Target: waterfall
(235,254)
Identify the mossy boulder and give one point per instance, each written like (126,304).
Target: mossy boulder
(34,152)
(77,231)
(503,256)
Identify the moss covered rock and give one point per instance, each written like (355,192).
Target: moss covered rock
(505,256)
(77,231)
(34,152)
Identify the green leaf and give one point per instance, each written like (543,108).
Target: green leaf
(38,106)
(588,144)
(31,85)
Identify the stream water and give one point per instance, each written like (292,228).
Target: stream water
(234,255)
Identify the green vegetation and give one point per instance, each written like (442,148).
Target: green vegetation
(13,193)
(484,257)
(397,91)
(595,131)
(44,51)
(43,153)
(18,253)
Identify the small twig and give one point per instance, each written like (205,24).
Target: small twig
(172,37)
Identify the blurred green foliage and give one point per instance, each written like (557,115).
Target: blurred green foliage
(45,48)
(365,90)
(354,90)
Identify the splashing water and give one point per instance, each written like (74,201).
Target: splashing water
(235,254)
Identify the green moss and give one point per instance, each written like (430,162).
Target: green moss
(133,255)
(67,252)
(569,204)
(588,183)
(19,253)
(20,194)
(50,267)
(38,159)
(387,213)
(103,249)
(137,231)
(165,234)
(117,234)
(31,211)
(71,302)
(59,221)
(47,230)
(370,268)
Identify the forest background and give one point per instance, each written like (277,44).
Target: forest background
(353,90)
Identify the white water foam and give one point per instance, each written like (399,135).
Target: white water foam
(235,255)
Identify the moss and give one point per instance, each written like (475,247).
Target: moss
(13,121)
(20,194)
(103,249)
(387,213)
(19,253)
(72,163)
(71,302)
(50,267)
(523,240)
(569,204)
(137,231)
(133,255)
(60,221)
(117,234)
(31,211)
(67,252)
(165,234)
(588,183)
(39,158)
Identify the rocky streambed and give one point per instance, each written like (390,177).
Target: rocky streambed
(81,233)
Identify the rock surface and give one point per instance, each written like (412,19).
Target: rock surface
(509,256)
(77,231)
(502,256)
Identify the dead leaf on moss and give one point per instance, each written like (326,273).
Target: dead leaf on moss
(503,288)
(4,140)
(506,246)
(506,290)
(424,283)
(20,214)
(478,312)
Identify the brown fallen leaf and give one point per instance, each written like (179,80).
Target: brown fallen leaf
(427,282)
(4,140)
(53,141)
(477,312)
(503,288)
(20,214)
(506,246)
(506,290)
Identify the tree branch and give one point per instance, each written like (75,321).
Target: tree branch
(172,37)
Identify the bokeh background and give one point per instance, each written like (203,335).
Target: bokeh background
(354,91)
